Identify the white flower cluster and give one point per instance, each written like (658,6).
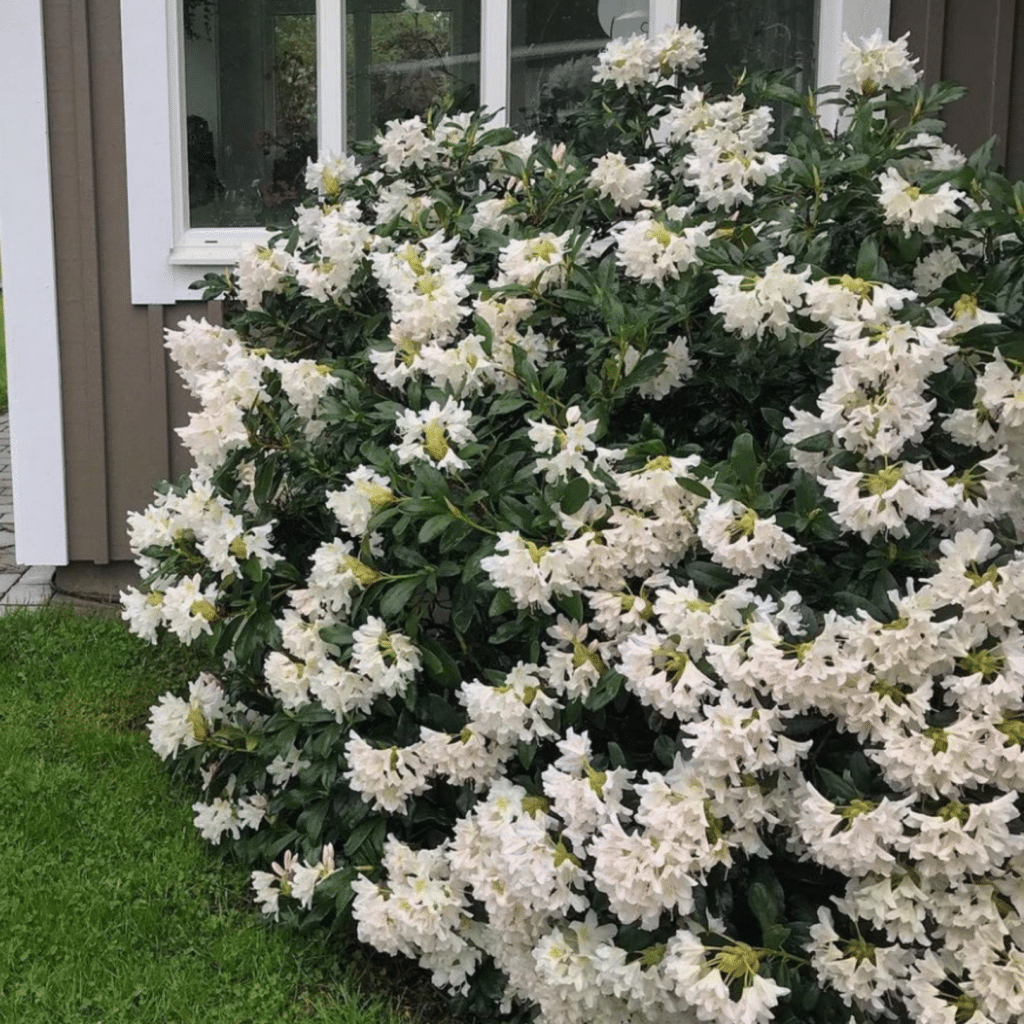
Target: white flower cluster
(726,159)
(634,60)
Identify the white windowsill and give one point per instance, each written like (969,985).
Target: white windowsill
(213,247)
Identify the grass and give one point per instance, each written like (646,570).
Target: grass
(112,909)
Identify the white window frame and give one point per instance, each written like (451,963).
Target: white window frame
(166,255)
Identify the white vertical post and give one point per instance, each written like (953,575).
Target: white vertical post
(854,18)
(837,18)
(663,14)
(30,293)
(330,76)
(149,61)
(495,57)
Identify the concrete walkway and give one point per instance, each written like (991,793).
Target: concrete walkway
(20,585)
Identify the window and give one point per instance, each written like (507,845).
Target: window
(254,87)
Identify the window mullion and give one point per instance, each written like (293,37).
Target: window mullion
(662,14)
(494,57)
(330,76)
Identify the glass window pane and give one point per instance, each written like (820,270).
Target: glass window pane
(554,49)
(759,35)
(403,57)
(250,97)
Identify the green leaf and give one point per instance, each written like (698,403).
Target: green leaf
(367,840)
(709,576)
(571,605)
(397,596)
(764,906)
(311,820)
(434,527)
(575,495)
(665,750)
(438,663)
(252,570)
(867,260)
(743,461)
(822,442)
(837,788)
(606,690)
(693,486)
(526,752)
(500,604)
(340,635)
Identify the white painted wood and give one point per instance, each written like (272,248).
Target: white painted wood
(30,293)
(330,77)
(663,14)
(495,57)
(854,18)
(150,68)
(836,19)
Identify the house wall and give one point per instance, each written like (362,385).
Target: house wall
(979,43)
(121,398)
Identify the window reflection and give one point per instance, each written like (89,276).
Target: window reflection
(404,57)
(554,49)
(759,35)
(250,96)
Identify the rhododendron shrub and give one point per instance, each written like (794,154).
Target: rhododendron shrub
(608,562)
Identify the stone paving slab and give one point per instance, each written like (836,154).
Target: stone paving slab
(20,585)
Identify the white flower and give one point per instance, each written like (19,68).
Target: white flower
(934,267)
(513,712)
(571,444)
(353,507)
(286,767)
(189,609)
(625,184)
(429,435)
(330,173)
(538,261)
(407,144)
(751,305)
(216,818)
(873,503)
(876,64)
(651,252)
(905,204)
(260,270)
(176,723)
(385,778)
(679,48)
(739,539)
(627,62)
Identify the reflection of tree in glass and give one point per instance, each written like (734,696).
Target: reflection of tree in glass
(294,139)
(756,35)
(400,92)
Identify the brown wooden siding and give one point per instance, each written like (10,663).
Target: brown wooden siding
(980,44)
(120,399)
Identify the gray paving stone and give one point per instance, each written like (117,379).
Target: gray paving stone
(38,575)
(7,582)
(28,594)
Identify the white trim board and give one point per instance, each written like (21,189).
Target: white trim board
(30,293)
(836,19)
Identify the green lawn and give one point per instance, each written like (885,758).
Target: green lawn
(112,909)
